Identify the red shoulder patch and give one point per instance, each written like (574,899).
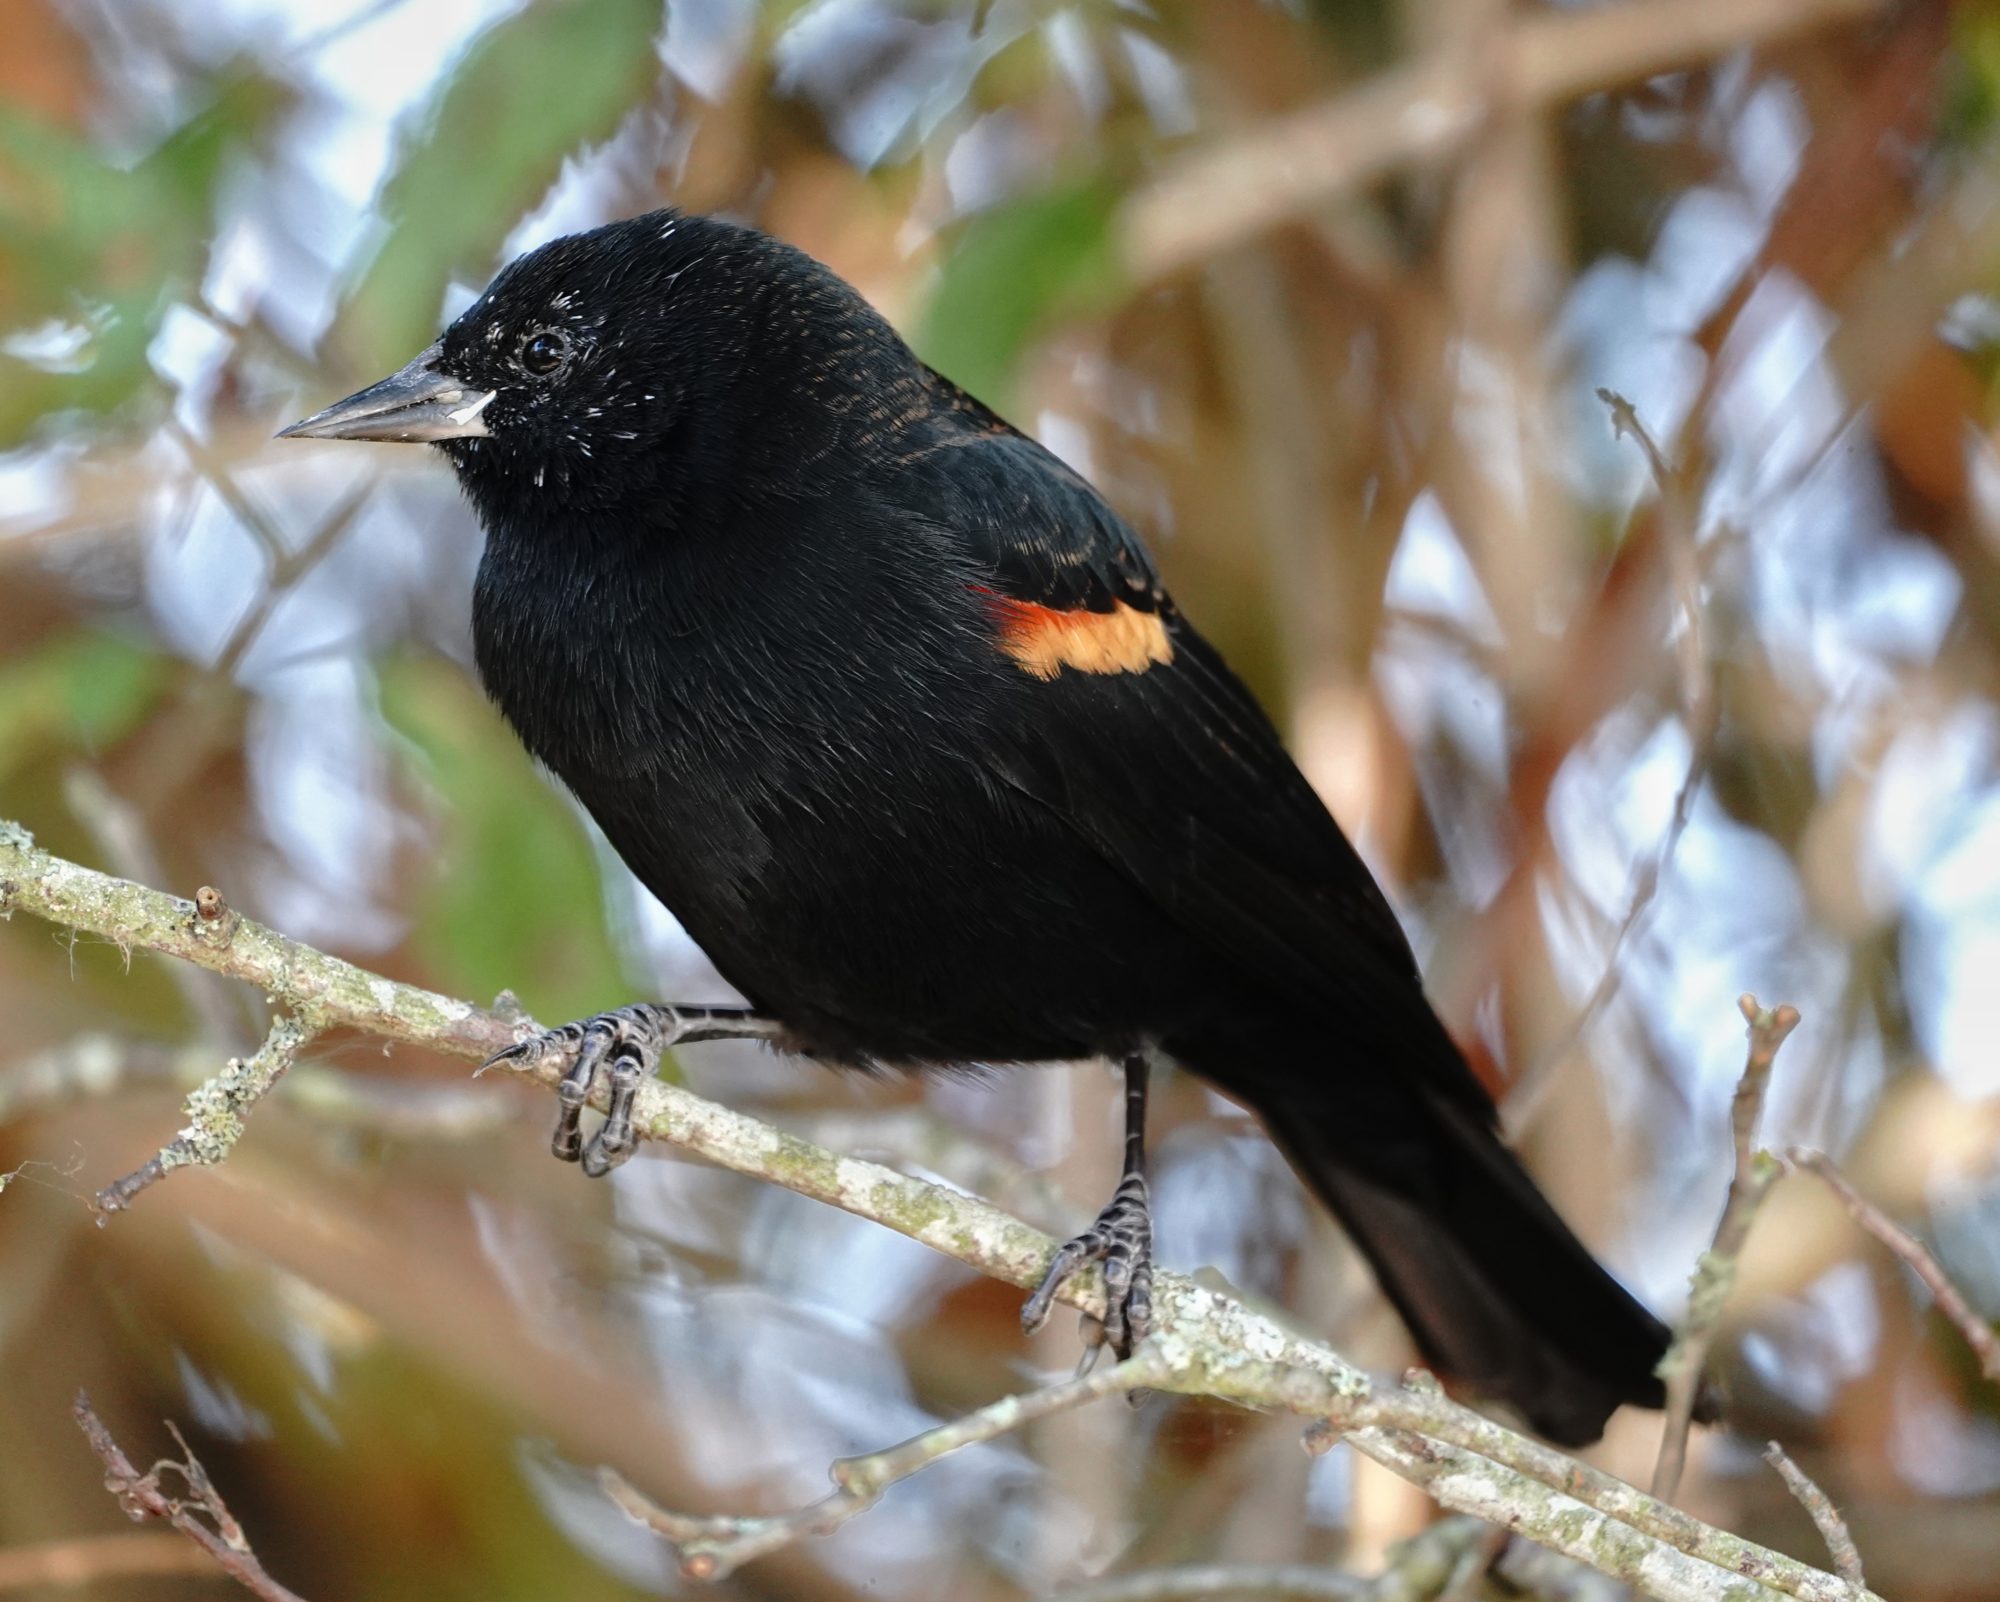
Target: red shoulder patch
(1043,640)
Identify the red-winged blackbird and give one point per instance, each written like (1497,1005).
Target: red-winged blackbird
(893,712)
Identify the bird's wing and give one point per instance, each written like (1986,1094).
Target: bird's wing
(1141,739)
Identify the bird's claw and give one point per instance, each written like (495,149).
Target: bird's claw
(1121,1241)
(625,1046)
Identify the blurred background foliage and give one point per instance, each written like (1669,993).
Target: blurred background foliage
(1322,294)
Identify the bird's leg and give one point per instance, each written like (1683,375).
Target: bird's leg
(1121,1239)
(626,1045)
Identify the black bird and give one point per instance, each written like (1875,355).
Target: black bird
(893,712)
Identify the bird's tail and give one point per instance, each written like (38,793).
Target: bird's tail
(1498,1293)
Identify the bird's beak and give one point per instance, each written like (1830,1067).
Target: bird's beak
(414,404)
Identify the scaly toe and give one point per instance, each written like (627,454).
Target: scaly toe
(1121,1242)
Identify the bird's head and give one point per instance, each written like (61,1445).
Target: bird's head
(592,366)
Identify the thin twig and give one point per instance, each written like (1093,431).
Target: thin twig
(1209,1343)
(1701,712)
(1683,553)
(1819,1507)
(712,1547)
(1715,1275)
(142,1498)
(1978,1331)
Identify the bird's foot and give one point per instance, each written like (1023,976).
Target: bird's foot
(625,1047)
(1122,1241)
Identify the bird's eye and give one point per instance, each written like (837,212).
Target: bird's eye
(545,352)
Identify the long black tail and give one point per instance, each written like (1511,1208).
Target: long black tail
(1498,1293)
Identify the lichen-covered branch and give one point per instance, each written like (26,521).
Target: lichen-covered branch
(1715,1275)
(215,1111)
(1207,1343)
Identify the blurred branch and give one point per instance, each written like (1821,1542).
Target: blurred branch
(288,567)
(95,1065)
(1978,1331)
(257,522)
(1417,1570)
(1205,1343)
(92,1559)
(1715,1275)
(1467,1582)
(353,22)
(712,1548)
(1289,1582)
(142,1498)
(119,830)
(1219,197)
(1819,1507)
(1679,512)
(1701,711)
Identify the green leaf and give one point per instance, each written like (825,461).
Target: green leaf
(1971,87)
(515,899)
(77,693)
(105,248)
(1013,270)
(531,89)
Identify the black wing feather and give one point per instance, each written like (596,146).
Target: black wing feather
(1175,774)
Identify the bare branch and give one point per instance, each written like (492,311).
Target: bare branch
(1978,1331)
(714,1547)
(1819,1507)
(1427,109)
(1207,1343)
(1715,1274)
(142,1498)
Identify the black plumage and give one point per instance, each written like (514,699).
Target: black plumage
(895,714)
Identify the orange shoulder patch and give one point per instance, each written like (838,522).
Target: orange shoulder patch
(1043,640)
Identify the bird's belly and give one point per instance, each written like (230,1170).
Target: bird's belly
(920,923)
